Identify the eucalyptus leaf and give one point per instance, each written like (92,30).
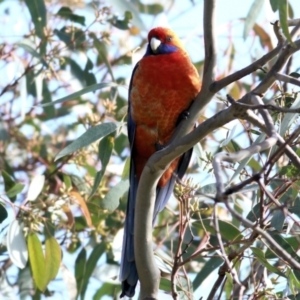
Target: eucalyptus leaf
(278,220)
(289,117)
(16,245)
(274,4)
(3,213)
(66,13)
(122,6)
(4,136)
(80,266)
(37,261)
(35,187)
(91,88)
(90,265)
(253,13)
(208,267)
(9,183)
(283,18)
(28,46)
(151,9)
(38,14)
(112,199)
(227,230)
(102,52)
(106,146)
(260,256)
(52,258)
(15,190)
(90,136)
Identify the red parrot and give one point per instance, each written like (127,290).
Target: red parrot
(163,85)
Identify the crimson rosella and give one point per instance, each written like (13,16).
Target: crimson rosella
(163,85)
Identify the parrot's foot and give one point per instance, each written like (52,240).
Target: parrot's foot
(183,116)
(158,146)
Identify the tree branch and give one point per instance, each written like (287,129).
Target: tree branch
(146,194)
(227,263)
(275,246)
(270,78)
(183,140)
(238,156)
(209,42)
(256,121)
(264,106)
(293,22)
(287,79)
(149,274)
(218,85)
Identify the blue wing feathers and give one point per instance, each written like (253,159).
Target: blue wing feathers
(128,272)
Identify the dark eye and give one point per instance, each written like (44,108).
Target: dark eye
(168,39)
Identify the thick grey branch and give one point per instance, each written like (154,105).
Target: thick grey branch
(295,30)
(287,79)
(293,22)
(153,170)
(149,274)
(205,94)
(209,42)
(182,140)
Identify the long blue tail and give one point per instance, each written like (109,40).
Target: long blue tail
(128,273)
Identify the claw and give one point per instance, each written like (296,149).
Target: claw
(158,146)
(183,116)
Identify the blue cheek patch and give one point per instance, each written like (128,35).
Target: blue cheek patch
(162,49)
(165,49)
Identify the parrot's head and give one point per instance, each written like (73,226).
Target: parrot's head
(163,41)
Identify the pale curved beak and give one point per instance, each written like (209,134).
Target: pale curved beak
(154,44)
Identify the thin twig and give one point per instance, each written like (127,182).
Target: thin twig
(273,244)
(238,156)
(231,270)
(251,117)
(258,64)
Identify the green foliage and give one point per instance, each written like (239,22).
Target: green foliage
(38,14)
(285,11)
(85,267)
(106,146)
(66,13)
(252,15)
(227,230)
(90,136)
(37,262)
(112,198)
(124,23)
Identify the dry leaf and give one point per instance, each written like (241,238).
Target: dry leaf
(78,198)
(264,37)
(69,215)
